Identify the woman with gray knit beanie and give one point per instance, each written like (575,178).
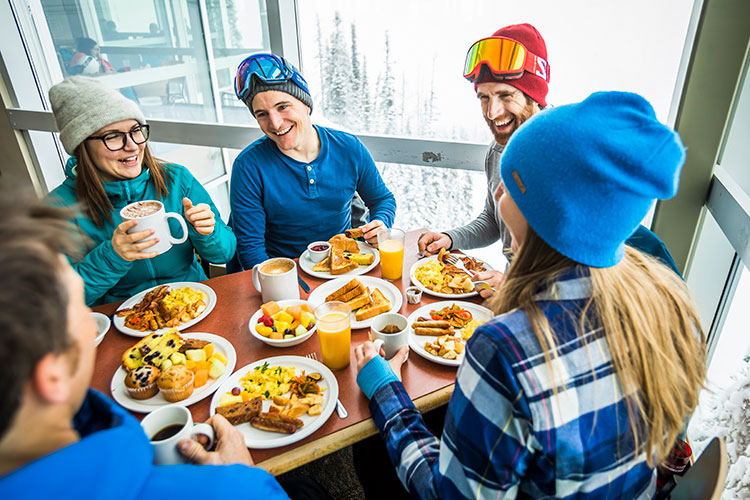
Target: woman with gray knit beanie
(110,167)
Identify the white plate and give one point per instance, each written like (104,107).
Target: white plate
(119,321)
(307,264)
(256,438)
(283,342)
(390,292)
(221,345)
(419,284)
(102,326)
(416,342)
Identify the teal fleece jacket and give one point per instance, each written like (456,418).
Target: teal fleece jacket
(113,460)
(109,277)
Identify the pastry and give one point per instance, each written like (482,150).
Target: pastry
(239,413)
(176,383)
(141,382)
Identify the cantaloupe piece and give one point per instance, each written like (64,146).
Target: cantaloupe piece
(201,377)
(294,311)
(270,308)
(276,335)
(307,308)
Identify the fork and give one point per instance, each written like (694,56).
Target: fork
(459,264)
(339,407)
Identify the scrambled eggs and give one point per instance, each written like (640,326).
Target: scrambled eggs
(468,330)
(429,274)
(185,296)
(268,381)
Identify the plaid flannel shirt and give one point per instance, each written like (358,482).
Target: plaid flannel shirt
(506,434)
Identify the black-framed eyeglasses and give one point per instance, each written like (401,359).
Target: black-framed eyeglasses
(115,141)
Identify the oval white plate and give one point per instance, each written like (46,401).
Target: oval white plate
(419,284)
(390,292)
(256,438)
(102,326)
(283,342)
(416,342)
(119,321)
(307,264)
(221,345)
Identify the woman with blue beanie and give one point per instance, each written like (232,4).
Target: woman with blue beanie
(110,167)
(581,383)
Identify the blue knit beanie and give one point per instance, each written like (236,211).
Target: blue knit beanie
(584,175)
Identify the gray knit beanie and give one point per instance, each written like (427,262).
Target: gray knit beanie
(82,106)
(288,87)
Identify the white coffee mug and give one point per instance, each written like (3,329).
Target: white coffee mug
(150,214)
(276,279)
(391,342)
(162,421)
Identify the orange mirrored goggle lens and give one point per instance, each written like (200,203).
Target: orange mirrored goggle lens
(503,57)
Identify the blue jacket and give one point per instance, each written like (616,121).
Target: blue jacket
(279,204)
(109,277)
(114,460)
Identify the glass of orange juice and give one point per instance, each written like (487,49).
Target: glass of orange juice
(391,249)
(334,333)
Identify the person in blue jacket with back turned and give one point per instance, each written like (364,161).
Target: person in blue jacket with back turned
(110,167)
(295,185)
(59,439)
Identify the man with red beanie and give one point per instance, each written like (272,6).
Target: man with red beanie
(510,73)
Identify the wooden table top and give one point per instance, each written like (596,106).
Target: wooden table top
(429,384)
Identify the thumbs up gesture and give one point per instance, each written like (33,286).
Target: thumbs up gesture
(199,216)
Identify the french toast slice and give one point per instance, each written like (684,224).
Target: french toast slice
(360,300)
(378,305)
(349,286)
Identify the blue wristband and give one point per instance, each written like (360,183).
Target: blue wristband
(374,375)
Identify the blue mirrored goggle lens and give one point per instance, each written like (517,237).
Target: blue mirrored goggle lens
(268,69)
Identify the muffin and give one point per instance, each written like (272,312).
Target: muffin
(176,383)
(141,382)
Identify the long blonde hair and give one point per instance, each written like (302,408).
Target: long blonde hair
(651,326)
(90,189)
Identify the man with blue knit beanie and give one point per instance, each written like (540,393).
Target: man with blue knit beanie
(296,184)
(582,176)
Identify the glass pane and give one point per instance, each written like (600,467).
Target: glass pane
(728,376)
(371,71)
(203,162)
(238,29)
(154,50)
(736,155)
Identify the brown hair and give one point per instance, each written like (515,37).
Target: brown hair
(651,326)
(33,298)
(90,189)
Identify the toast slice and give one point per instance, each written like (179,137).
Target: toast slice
(350,285)
(346,244)
(362,259)
(324,266)
(353,293)
(354,233)
(360,300)
(378,305)
(339,264)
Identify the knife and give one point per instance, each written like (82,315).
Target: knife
(304,285)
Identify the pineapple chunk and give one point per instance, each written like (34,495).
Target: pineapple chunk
(217,368)
(229,399)
(196,354)
(220,357)
(178,358)
(305,319)
(284,317)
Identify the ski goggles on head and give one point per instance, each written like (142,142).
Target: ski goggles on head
(267,68)
(505,59)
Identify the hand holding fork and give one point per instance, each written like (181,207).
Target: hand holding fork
(458,263)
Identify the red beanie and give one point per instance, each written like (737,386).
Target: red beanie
(531,84)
